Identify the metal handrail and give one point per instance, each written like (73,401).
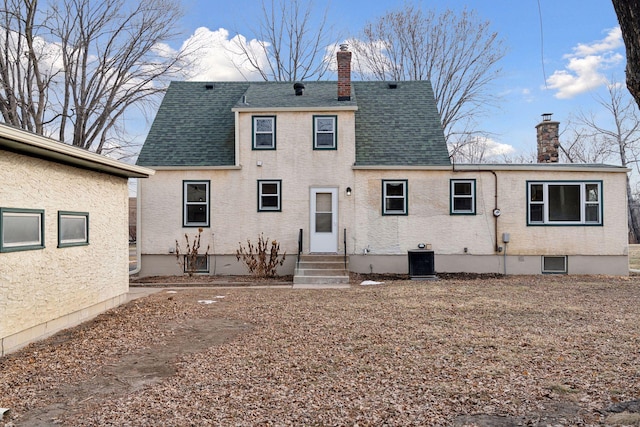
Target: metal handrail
(299,247)
(345,248)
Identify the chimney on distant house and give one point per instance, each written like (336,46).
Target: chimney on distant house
(548,143)
(344,73)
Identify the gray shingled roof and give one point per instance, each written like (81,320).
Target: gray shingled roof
(282,95)
(398,126)
(194,125)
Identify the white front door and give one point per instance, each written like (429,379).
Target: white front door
(323,236)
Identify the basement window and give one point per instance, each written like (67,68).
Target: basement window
(554,264)
(200,264)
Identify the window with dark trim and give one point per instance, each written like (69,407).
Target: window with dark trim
(201,264)
(21,229)
(269,195)
(564,203)
(73,228)
(325,132)
(264,132)
(394,197)
(196,203)
(463,196)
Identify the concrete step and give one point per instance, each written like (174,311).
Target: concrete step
(321,286)
(320,280)
(322,257)
(321,272)
(332,265)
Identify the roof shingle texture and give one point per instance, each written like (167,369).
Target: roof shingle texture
(398,126)
(195,126)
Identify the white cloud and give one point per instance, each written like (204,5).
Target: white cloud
(586,65)
(482,150)
(497,149)
(612,41)
(216,57)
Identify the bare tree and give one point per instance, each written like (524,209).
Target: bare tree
(23,70)
(289,46)
(74,68)
(480,149)
(614,139)
(580,144)
(458,53)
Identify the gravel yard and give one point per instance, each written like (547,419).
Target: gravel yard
(543,350)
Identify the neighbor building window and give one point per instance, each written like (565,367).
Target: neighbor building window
(564,203)
(394,197)
(264,133)
(21,229)
(269,195)
(73,228)
(196,203)
(463,196)
(324,132)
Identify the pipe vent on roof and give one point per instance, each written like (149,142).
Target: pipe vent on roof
(393,85)
(299,88)
(208,86)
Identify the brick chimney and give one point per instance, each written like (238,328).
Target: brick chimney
(548,143)
(344,73)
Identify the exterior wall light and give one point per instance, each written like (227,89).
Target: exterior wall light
(348,191)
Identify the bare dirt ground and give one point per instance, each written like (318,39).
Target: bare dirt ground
(634,257)
(483,351)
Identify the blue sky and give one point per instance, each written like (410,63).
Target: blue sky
(558,68)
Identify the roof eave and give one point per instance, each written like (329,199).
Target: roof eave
(23,142)
(293,109)
(564,167)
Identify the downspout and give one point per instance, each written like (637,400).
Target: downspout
(138,233)
(495,208)
(495,203)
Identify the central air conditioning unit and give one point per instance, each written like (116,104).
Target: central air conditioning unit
(422,264)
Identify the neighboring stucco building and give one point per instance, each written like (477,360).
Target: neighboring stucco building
(363,168)
(63,235)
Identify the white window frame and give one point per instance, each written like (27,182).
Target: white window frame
(404,197)
(584,202)
(6,214)
(256,132)
(261,207)
(65,241)
(187,203)
(333,132)
(454,196)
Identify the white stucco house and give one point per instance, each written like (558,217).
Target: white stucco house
(64,252)
(361,169)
